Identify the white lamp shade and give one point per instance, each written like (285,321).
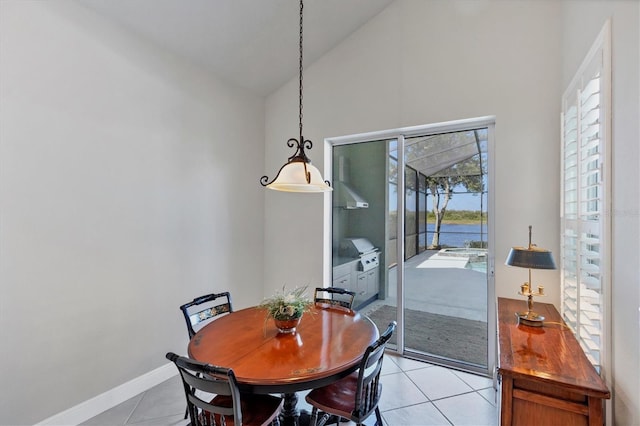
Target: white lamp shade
(292,179)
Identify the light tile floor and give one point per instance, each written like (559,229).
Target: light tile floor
(414,393)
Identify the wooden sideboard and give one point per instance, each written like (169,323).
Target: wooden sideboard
(545,377)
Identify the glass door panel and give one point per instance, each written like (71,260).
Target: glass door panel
(445,272)
(361,249)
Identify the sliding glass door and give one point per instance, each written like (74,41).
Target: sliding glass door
(420,197)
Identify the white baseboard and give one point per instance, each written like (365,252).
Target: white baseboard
(94,406)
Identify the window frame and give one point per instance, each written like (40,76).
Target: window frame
(585,203)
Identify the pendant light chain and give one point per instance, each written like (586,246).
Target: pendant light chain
(290,177)
(300,78)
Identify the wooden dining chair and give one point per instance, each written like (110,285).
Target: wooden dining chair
(334,296)
(356,396)
(201,310)
(223,404)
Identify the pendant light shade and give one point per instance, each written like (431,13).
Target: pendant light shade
(298,174)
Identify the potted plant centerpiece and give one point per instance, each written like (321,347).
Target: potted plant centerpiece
(286,308)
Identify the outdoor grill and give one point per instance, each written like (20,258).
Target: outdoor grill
(362,249)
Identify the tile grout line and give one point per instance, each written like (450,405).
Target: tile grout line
(432,401)
(126,422)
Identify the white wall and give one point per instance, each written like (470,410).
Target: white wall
(582,22)
(421,62)
(129,185)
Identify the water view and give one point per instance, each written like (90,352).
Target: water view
(458,235)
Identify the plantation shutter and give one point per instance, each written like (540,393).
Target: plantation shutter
(585,218)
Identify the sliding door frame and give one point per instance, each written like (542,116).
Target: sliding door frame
(400,134)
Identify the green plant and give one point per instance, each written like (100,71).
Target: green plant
(287,304)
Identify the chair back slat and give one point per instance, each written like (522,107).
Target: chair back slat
(218,387)
(206,407)
(198,316)
(369,389)
(203,309)
(334,296)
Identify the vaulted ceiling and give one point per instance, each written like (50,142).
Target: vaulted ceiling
(248,43)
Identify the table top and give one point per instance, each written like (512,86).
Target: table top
(548,354)
(328,345)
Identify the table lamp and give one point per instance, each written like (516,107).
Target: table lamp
(531,257)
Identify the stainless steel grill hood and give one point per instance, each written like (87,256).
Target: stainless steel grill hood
(348,198)
(344,195)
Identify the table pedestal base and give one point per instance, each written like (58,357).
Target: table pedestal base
(290,416)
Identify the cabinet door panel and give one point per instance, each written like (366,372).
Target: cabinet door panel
(343,282)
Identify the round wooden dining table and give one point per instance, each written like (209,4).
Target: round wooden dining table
(328,345)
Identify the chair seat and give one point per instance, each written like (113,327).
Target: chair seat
(338,398)
(256,409)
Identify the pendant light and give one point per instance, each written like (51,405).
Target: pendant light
(298,174)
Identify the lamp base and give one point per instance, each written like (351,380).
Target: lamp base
(530,318)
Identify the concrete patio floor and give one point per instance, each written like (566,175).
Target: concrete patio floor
(452,291)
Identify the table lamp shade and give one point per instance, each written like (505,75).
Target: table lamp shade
(532,257)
